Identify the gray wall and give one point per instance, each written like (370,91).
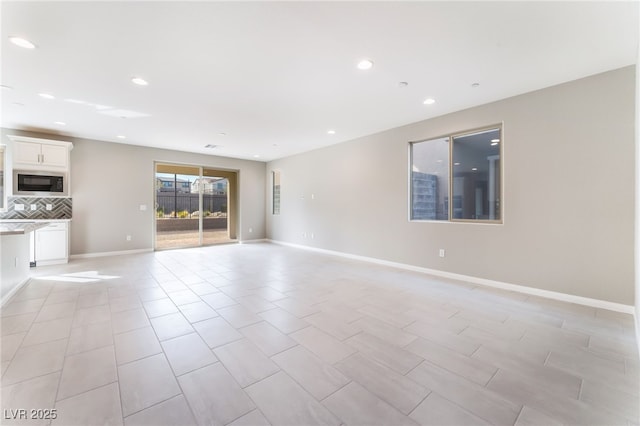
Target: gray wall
(637,198)
(109,182)
(568,194)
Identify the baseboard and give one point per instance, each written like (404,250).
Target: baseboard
(109,253)
(547,294)
(637,324)
(259,240)
(13,291)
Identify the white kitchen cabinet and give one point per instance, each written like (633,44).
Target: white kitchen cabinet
(52,244)
(40,154)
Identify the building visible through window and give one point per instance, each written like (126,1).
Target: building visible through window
(457,177)
(276,192)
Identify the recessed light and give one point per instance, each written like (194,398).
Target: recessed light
(139,81)
(365,64)
(456,164)
(438,161)
(495,140)
(256,156)
(474,85)
(121,137)
(60,123)
(210,146)
(222,134)
(403,84)
(429,101)
(474,169)
(331,132)
(46,96)
(19,41)
(494,143)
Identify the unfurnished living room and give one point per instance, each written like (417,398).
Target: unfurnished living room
(320,213)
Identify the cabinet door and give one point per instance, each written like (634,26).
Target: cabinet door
(51,244)
(26,153)
(54,155)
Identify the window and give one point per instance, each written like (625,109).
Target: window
(276,192)
(458,177)
(430,180)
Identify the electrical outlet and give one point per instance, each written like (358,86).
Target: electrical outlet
(250,230)
(18,207)
(49,207)
(441,252)
(312,236)
(33,207)
(143,207)
(128,237)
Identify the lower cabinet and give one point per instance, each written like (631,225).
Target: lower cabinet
(51,244)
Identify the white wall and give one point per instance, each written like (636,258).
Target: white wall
(14,263)
(109,182)
(568,204)
(637,198)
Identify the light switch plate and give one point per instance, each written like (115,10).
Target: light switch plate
(19,207)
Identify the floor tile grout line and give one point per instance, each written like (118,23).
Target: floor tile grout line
(32,378)
(334,392)
(421,401)
(64,359)
(150,406)
(515,422)
(118,377)
(486,385)
(579,397)
(383,397)
(280,370)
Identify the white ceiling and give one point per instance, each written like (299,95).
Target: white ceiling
(276,76)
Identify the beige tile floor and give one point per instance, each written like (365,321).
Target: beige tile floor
(260,334)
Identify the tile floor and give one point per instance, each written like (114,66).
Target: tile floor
(260,334)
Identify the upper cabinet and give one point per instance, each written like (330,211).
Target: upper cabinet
(40,154)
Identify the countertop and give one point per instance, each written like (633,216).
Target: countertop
(14,227)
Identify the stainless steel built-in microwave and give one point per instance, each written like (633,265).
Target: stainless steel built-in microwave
(40,184)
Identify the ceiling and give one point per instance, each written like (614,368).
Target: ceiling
(265,80)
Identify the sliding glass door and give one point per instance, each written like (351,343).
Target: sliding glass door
(194,206)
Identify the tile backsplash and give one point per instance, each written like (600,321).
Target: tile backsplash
(60,208)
